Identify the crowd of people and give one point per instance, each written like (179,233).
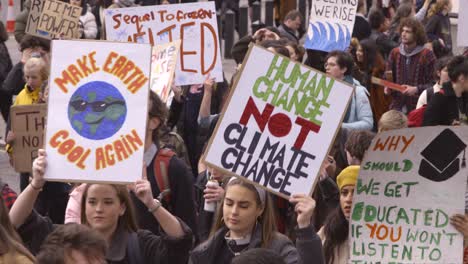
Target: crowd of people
(185,211)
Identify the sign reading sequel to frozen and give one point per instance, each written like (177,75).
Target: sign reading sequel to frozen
(193,23)
(411,182)
(280,120)
(331,24)
(95,95)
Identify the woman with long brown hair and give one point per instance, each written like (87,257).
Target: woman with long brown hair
(245,220)
(371,64)
(11,248)
(108,209)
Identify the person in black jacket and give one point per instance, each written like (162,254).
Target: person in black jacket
(5,67)
(108,209)
(450,105)
(181,202)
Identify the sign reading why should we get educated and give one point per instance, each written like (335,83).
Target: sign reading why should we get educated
(280,121)
(194,24)
(95,93)
(410,183)
(331,24)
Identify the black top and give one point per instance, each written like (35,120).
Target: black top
(361,29)
(153,249)
(181,201)
(445,107)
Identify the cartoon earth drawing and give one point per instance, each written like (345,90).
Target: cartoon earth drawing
(97,110)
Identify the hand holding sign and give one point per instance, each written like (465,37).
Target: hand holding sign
(143,190)
(304,208)
(460,222)
(39,167)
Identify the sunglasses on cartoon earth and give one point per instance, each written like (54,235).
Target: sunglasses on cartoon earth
(98,106)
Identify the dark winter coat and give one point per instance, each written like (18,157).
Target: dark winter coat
(181,196)
(152,248)
(308,247)
(445,107)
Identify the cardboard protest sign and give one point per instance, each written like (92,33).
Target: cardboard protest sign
(462,33)
(33,19)
(411,182)
(278,125)
(97,111)
(27,122)
(331,24)
(163,63)
(193,23)
(59,19)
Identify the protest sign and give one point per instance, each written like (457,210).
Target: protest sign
(27,123)
(462,33)
(98,102)
(331,24)
(411,182)
(193,23)
(33,19)
(59,19)
(163,63)
(279,123)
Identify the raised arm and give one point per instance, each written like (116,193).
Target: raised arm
(23,206)
(206,101)
(169,223)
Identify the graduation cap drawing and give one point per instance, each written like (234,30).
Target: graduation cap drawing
(441,160)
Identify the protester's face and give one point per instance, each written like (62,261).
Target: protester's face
(332,68)
(407,36)
(346,199)
(292,53)
(77,257)
(32,76)
(103,208)
(75,2)
(443,75)
(240,209)
(295,24)
(360,54)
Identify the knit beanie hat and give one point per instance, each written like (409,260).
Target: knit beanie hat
(348,176)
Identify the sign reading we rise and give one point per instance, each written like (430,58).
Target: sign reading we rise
(97,111)
(194,24)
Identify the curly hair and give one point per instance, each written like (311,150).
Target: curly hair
(416,27)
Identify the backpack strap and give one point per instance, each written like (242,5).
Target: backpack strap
(133,249)
(161,173)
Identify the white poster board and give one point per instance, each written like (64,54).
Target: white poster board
(95,94)
(193,23)
(331,25)
(410,183)
(462,33)
(163,64)
(280,121)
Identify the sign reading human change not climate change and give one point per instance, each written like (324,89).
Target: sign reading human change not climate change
(193,23)
(279,123)
(95,95)
(411,182)
(331,24)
